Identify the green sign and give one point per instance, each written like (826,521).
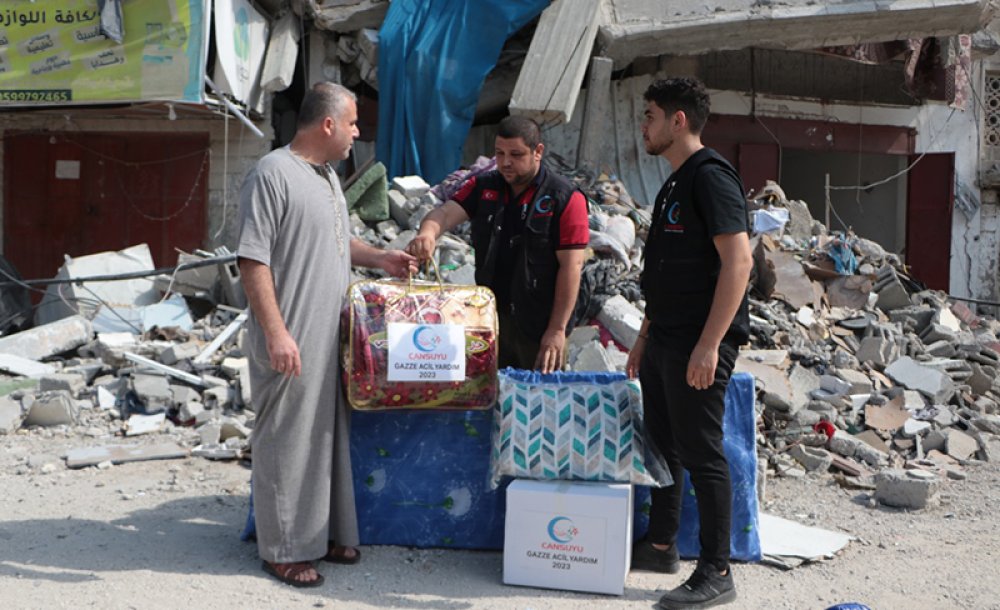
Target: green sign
(53,52)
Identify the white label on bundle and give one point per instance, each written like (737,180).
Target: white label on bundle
(426,352)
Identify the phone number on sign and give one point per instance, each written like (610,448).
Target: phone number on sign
(36,95)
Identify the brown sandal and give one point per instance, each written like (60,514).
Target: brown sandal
(288,573)
(346,555)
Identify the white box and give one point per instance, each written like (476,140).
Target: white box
(568,535)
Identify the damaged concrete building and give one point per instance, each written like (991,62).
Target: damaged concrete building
(120,143)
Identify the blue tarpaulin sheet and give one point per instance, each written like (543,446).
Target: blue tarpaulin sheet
(433,58)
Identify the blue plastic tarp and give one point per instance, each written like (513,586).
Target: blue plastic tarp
(739,443)
(433,58)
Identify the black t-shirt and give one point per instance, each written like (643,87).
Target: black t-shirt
(702,199)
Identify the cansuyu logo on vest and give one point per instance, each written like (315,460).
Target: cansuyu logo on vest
(673,219)
(543,207)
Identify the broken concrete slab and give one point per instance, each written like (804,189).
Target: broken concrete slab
(914,427)
(410,186)
(153,390)
(593,357)
(960,445)
(349,15)
(902,489)
(642,28)
(26,367)
(622,319)
(70,382)
(889,417)
(52,409)
(48,340)
(891,292)
(549,81)
(180,351)
(791,283)
(813,459)
(873,440)
(230,427)
(218,397)
(859,383)
(67,300)
(10,415)
(880,351)
(144,424)
(120,454)
(215,452)
(927,380)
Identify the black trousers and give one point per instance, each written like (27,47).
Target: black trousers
(516,348)
(686,426)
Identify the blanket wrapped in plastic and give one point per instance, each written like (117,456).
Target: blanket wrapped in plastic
(419,345)
(572,426)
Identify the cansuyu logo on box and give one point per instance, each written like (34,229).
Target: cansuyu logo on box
(562,530)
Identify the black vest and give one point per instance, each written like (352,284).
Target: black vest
(682,264)
(535,266)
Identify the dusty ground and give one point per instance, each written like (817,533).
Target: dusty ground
(165,535)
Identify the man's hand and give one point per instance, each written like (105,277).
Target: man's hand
(422,247)
(635,358)
(551,350)
(398,263)
(284,354)
(701,366)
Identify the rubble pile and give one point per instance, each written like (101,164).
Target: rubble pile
(81,377)
(861,373)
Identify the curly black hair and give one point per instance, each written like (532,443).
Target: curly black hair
(683,93)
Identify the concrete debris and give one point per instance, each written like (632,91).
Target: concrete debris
(121,454)
(10,415)
(858,369)
(48,340)
(26,367)
(51,409)
(905,489)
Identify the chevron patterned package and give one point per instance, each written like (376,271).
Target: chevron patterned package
(572,426)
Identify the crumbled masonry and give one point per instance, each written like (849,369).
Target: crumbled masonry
(862,374)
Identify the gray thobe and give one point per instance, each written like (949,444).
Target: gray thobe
(293,218)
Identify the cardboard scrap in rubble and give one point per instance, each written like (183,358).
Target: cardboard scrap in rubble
(890,416)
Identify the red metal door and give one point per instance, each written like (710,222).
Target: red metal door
(758,163)
(930,196)
(80,193)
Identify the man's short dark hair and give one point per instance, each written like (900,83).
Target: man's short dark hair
(682,93)
(323,100)
(520,127)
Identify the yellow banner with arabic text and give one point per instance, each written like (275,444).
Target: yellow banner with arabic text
(52,52)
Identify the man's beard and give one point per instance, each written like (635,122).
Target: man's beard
(657,148)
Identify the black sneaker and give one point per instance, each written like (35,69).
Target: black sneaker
(704,589)
(647,557)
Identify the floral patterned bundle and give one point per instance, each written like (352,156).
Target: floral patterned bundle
(372,305)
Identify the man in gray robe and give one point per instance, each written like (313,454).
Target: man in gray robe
(295,257)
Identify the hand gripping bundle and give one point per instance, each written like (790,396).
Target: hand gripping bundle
(419,345)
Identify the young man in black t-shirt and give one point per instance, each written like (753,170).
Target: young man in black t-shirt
(697,264)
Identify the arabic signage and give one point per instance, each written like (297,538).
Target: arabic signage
(53,52)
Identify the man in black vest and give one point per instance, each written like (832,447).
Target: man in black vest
(697,264)
(529,230)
